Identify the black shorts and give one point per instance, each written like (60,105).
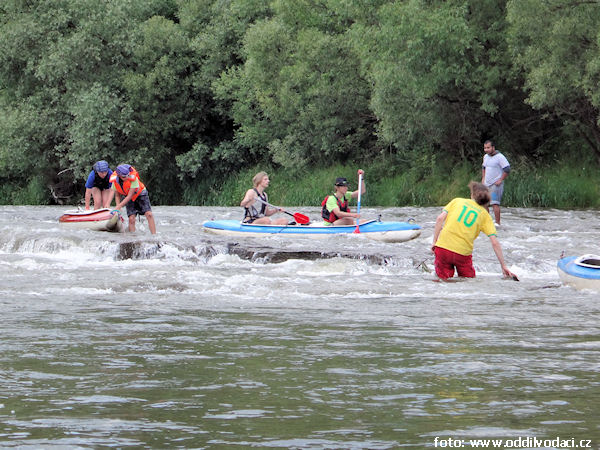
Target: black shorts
(140,205)
(249,219)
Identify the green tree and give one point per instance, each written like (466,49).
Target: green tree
(216,31)
(555,47)
(436,71)
(299,97)
(61,83)
(168,111)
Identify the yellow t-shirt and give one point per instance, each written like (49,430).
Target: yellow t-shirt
(465,220)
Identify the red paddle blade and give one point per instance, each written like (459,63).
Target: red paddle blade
(301,218)
(356,230)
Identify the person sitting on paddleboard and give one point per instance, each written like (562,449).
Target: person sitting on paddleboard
(255,201)
(132,194)
(97,186)
(335,208)
(456,229)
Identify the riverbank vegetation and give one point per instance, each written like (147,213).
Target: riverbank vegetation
(563,185)
(201,94)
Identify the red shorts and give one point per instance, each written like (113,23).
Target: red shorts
(446,261)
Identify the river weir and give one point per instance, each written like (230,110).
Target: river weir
(190,340)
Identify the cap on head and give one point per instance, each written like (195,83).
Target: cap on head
(101,166)
(341,181)
(123,169)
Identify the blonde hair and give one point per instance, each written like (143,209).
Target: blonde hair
(480,193)
(258,178)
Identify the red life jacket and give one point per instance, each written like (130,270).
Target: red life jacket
(124,190)
(330,216)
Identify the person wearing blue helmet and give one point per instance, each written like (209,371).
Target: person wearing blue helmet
(97,186)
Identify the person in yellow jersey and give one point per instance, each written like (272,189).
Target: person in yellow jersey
(456,229)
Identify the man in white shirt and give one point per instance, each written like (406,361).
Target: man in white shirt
(495,169)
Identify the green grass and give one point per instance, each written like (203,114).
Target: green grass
(33,193)
(564,185)
(568,184)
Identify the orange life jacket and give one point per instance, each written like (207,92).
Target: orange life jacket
(124,190)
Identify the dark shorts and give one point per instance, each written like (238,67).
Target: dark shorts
(100,188)
(140,205)
(446,261)
(249,219)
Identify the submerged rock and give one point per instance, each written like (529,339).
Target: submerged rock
(149,249)
(138,250)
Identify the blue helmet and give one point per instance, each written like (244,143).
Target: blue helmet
(101,166)
(123,169)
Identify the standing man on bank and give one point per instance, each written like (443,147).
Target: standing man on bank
(494,171)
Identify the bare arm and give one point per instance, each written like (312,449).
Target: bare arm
(253,197)
(501,179)
(498,251)
(121,203)
(439,224)
(88,196)
(270,211)
(341,214)
(248,199)
(111,195)
(130,194)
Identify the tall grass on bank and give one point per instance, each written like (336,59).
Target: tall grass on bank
(288,187)
(563,185)
(572,183)
(309,188)
(32,193)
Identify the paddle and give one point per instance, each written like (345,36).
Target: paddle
(360,174)
(299,218)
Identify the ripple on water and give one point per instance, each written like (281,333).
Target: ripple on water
(185,345)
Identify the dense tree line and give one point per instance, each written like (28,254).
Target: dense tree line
(191,91)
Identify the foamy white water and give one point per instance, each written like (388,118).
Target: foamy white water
(194,340)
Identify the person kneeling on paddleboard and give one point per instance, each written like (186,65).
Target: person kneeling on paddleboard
(456,229)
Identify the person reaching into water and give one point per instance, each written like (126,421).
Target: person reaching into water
(335,208)
(456,229)
(97,186)
(255,201)
(132,194)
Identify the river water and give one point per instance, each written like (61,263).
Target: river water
(191,340)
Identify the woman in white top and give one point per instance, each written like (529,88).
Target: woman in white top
(255,202)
